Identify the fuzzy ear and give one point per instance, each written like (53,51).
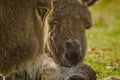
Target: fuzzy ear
(89,2)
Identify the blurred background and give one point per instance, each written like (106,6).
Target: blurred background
(103,52)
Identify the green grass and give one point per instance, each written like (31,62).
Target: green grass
(103,52)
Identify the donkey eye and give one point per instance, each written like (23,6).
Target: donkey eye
(56,24)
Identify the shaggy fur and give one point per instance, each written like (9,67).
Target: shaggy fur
(21,45)
(54,72)
(65,38)
(21,33)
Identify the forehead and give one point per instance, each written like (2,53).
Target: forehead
(72,8)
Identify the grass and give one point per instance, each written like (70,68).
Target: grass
(103,52)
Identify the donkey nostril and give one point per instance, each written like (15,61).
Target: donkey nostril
(72,45)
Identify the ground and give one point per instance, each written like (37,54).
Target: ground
(103,52)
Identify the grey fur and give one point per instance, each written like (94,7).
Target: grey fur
(80,72)
(65,38)
(21,33)
(89,2)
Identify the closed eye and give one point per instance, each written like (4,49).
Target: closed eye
(56,24)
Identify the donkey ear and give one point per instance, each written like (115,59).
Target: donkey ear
(89,2)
